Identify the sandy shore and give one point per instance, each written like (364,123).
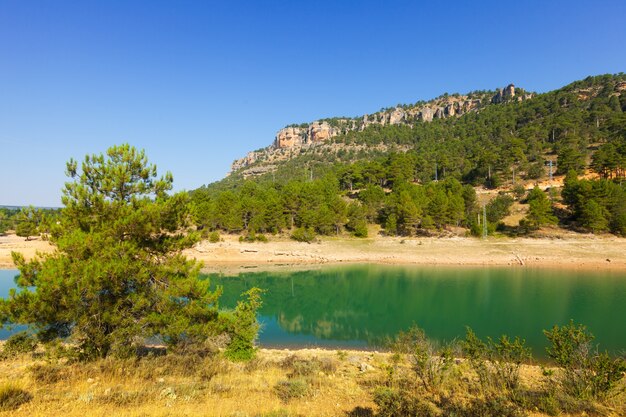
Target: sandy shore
(568,250)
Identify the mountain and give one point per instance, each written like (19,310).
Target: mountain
(295,139)
(452,162)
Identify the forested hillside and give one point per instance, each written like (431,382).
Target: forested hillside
(421,177)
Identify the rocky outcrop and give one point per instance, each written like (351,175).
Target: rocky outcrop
(291,140)
(504,94)
(427,114)
(289,137)
(320,131)
(396,116)
(247,160)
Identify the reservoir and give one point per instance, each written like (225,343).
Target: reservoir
(360,306)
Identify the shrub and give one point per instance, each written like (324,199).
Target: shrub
(300,367)
(497,363)
(519,191)
(244,327)
(490,406)
(395,403)
(431,365)
(214,237)
(586,372)
(288,389)
(11,397)
(19,343)
(302,234)
(46,374)
(252,237)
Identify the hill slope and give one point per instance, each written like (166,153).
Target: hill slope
(415,174)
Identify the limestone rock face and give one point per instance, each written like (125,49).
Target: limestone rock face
(396,116)
(439,113)
(247,160)
(504,94)
(289,137)
(427,114)
(450,109)
(320,132)
(470,105)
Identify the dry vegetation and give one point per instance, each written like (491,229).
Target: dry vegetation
(276,383)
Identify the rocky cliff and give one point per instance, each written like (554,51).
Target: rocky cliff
(295,139)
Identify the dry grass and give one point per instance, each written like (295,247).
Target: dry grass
(277,383)
(174,386)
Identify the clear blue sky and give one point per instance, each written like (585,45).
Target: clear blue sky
(199,83)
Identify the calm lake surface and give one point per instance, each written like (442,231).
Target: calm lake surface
(358,306)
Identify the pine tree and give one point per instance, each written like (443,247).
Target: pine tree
(594,217)
(540,211)
(117,275)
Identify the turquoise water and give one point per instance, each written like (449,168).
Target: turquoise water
(358,306)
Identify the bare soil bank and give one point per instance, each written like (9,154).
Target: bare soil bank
(562,250)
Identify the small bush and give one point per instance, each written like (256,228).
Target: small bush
(302,234)
(519,191)
(497,363)
(214,237)
(300,367)
(11,397)
(19,344)
(431,366)
(288,389)
(490,407)
(252,237)
(46,374)
(244,327)
(586,372)
(395,403)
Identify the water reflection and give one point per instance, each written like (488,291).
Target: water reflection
(359,306)
(364,304)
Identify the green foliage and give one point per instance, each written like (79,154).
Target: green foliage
(288,389)
(431,366)
(12,396)
(397,402)
(303,234)
(252,237)
(390,169)
(497,363)
(519,191)
(586,373)
(540,212)
(357,221)
(19,343)
(499,208)
(28,221)
(214,236)
(118,275)
(596,205)
(244,327)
